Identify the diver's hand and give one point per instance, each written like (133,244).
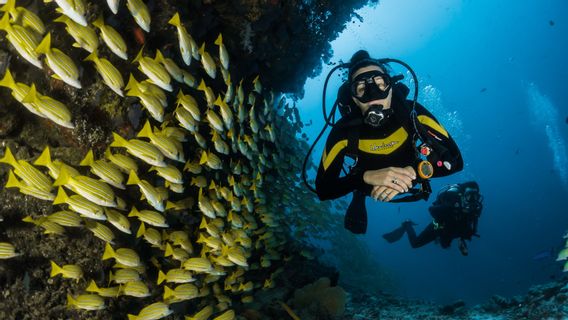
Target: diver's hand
(399,179)
(383,193)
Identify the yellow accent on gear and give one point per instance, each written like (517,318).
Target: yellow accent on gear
(432,124)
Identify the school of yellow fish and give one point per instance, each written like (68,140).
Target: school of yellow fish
(224,182)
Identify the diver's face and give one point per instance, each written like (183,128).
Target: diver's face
(386,102)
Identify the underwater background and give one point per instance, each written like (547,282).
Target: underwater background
(493,73)
(258,244)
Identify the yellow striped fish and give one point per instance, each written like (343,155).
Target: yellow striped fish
(125,256)
(188,79)
(110,74)
(156,310)
(49,108)
(74,9)
(48,226)
(100,231)
(211,160)
(85,37)
(150,217)
(118,220)
(140,13)
(154,70)
(203,314)
(169,147)
(22,39)
(184,39)
(136,289)
(112,38)
(223,53)
(152,236)
(176,253)
(207,62)
(55,166)
(226,112)
(202,265)
(186,120)
(111,292)
(113,5)
(94,190)
(66,218)
(149,192)
(141,149)
(190,104)
(7,251)
(61,64)
(150,101)
(19,91)
(69,271)
(169,173)
(23,17)
(175,276)
(86,302)
(80,205)
(13,182)
(182,292)
(107,171)
(173,69)
(27,172)
(124,276)
(208,92)
(125,163)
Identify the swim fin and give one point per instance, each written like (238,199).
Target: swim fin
(395,235)
(356,215)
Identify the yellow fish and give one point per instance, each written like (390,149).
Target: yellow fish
(149,101)
(223,53)
(13,182)
(169,147)
(185,41)
(170,66)
(7,251)
(110,74)
(23,17)
(61,64)
(125,163)
(70,271)
(74,9)
(150,217)
(112,38)
(66,218)
(136,289)
(94,190)
(23,40)
(111,292)
(85,37)
(107,171)
(190,104)
(86,302)
(203,314)
(140,13)
(156,72)
(156,310)
(126,256)
(140,149)
(55,166)
(31,175)
(118,220)
(100,231)
(49,108)
(182,292)
(207,62)
(149,192)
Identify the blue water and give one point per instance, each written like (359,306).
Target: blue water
(494,73)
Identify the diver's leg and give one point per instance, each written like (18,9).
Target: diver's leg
(426,236)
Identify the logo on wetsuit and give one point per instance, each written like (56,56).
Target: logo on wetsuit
(375,147)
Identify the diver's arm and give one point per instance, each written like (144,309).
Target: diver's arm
(329,184)
(445,148)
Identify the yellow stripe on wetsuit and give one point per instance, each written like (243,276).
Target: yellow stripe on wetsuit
(433,124)
(372,146)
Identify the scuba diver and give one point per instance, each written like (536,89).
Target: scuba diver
(395,143)
(455,214)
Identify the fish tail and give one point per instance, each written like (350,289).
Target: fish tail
(169,250)
(109,252)
(168,292)
(10,6)
(31,96)
(132,178)
(88,160)
(61,196)
(45,45)
(93,287)
(171,205)
(203,157)
(99,22)
(118,141)
(55,269)
(28,219)
(139,55)
(219,40)
(44,158)
(175,20)
(201,85)
(5,23)
(132,317)
(146,131)
(161,276)
(70,302)
(63,177)
(62,18)
(13,181)
(132,85)
(92,57)
(159,57)
(9,158)
(141,230)
(8,81)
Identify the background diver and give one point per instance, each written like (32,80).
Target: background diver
(455,215)
(380,129)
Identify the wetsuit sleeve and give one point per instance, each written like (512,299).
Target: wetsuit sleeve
(445,148)
(329,184)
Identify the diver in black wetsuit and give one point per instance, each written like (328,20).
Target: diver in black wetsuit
(380,122)
(455,215)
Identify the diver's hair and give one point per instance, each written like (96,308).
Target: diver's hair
(362,59)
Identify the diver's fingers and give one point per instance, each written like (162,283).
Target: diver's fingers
(398,182)
(377,191)
(406,171)
(391,195)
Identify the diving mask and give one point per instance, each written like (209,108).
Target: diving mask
(472,200)
(371,85)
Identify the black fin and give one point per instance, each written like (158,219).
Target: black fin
(395,235)
(356,215)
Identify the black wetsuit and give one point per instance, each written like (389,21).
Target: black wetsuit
(389,146)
